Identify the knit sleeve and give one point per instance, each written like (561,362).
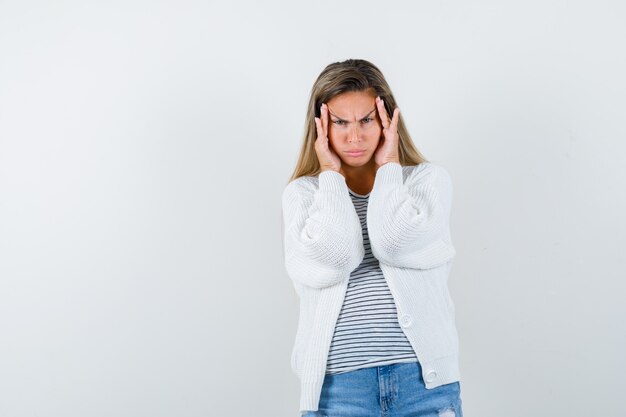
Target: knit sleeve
(323,239)
(408,221)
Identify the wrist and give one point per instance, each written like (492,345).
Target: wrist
(395,160)
(323,169)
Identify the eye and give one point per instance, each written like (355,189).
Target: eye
(366,120)
(338,122)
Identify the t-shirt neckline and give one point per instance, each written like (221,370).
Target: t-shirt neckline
(359,195)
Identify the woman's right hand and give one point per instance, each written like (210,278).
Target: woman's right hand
(327,157)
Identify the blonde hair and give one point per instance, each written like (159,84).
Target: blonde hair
(341,77)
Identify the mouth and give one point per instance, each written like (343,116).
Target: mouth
(356,152)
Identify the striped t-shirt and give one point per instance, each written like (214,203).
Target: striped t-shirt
(367,332)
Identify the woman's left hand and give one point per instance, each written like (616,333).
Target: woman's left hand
(387,150)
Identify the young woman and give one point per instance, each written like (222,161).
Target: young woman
(367,246)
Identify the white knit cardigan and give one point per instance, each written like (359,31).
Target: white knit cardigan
(408,225)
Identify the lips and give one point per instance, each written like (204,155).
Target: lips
(356,151)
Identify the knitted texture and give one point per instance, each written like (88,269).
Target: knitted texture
(408,224)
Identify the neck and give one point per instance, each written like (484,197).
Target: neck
(360,178)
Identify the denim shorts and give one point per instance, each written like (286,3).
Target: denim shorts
(395,390)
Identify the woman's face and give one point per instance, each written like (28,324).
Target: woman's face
(354,124)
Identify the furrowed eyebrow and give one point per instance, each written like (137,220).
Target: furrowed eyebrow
(339,118)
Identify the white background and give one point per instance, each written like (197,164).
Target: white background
(144,147)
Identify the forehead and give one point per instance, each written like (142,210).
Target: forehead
(352,104)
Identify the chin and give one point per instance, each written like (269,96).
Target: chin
(357,162)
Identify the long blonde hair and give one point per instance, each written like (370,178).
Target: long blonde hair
(341,77)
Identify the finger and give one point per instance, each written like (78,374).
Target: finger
(394,120)
(382,112)
(324,118)
(318,127)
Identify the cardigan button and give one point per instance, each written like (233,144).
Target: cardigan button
(431,376)
(405,320)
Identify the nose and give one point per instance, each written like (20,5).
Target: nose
(354,134)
